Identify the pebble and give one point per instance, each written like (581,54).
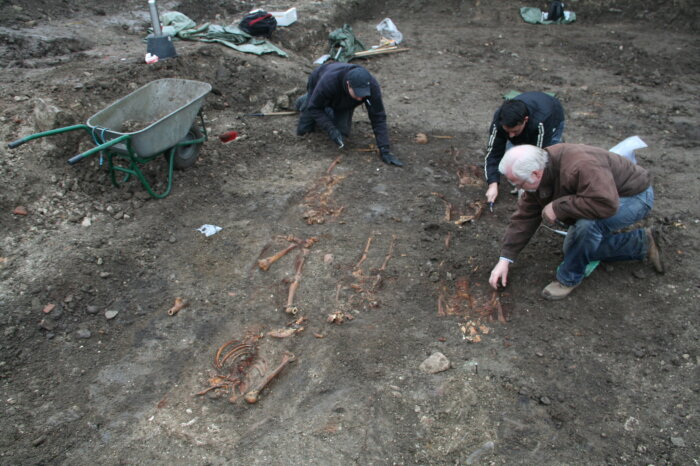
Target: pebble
(111,314)
(92,310)
(545,401)
(83,334)
(47,324)
(20,210)
(677,441)
(39,441)
(86,222)
(172,239)
(437,362)
(105,274)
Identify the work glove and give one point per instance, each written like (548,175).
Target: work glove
(389,158)
(337,138)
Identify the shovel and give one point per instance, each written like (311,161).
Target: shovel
(270,114)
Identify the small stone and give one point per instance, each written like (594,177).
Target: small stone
(545,401)
(39,441)
(437,362)
(118,215)
(86,222)
(47,324)
(105,274)
(640,274)
(57,313)
(328,259)
(92,310)
(20,210)
(172,239)
(677,441)
(83,334)
(111,314)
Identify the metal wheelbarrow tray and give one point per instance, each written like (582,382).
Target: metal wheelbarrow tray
(158,118)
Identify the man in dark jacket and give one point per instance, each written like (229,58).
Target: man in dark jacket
(333,91)
(595,192)
(532,118)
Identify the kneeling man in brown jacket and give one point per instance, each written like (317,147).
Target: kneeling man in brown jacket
(594,192)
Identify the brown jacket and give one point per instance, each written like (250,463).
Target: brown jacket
(581,182)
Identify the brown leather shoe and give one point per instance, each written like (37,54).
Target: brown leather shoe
(556,291)
(654,253)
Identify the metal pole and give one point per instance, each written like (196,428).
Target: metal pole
(157,31)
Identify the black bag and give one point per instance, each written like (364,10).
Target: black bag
(258,23)
(556,11)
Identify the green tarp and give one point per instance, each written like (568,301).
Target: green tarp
(534,16)
(343,44)
(513,94)
(178,25)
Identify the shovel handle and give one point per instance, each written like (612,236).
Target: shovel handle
(271,114)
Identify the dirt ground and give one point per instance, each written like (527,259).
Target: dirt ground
(94,370)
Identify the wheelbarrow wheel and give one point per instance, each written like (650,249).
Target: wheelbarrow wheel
(185,156)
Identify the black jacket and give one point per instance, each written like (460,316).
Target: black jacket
(327,87)
(545,116)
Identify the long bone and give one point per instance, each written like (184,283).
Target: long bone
(299,266)
(265,264)
(253,395)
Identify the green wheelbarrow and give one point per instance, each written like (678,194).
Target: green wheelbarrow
(156,119)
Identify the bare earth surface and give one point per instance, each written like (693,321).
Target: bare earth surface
(608,376)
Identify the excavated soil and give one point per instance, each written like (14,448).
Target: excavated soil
(93,369)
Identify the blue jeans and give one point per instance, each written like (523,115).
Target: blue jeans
(558,134)
(596,240)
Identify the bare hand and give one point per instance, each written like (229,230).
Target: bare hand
(548,214)
(499,273)
(492,192)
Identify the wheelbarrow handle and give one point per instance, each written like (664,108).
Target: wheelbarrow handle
(77,158)
(31,137)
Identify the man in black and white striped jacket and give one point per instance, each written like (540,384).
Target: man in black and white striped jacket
(533,118)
